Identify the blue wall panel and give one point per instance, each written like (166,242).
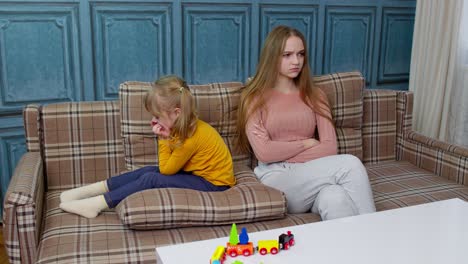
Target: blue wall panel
(39,58)
(397,35)
(132,42)
(81,50)
(216,43)
(349,40)
(12,148)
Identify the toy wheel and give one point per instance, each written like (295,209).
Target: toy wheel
(233,253)
(286,246)
(263,251)
(246,252)
(274,251)
(291,242)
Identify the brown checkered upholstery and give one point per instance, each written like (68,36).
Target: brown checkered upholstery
(247,201)
(344,92)
(440,158)
(415,169)
(81,143)
(379,127)
(31,123)
(399,183)
(22,209)
(69,238)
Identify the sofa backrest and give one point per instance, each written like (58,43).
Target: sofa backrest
(80,142)
(85,142)
(344,92)
(379,125)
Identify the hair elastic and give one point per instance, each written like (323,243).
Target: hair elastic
(181,88)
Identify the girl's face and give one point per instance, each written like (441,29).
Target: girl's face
(166,120)
(292,58)
(164,123)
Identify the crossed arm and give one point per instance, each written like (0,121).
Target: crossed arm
(267,150)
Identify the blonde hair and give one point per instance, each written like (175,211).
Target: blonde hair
(252,97)
(170,92)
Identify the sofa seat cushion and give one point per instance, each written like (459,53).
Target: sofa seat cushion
(68,238)
(247,201)
(399,183)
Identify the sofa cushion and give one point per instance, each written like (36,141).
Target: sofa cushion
(247,201)
(69,238)
(345,92)
(216,104)
(81,143)
(398,184)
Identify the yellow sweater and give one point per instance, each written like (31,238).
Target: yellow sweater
(204,154)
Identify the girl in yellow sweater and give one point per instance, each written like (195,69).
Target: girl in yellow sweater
(192,155)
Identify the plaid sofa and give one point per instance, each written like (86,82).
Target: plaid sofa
(72,144)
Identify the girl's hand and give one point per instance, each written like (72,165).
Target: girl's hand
(160,130)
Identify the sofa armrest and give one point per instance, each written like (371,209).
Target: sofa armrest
(23,209)
(441,158)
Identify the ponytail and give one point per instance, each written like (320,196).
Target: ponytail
(186,123)
(168,93)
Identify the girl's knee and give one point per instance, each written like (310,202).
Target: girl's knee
(149,169)
(149,180)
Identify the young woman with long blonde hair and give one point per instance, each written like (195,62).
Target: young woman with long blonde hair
(278,117)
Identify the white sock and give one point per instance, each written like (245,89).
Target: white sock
(89,207)
(87,191)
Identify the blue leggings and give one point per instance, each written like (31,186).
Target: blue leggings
(149,177)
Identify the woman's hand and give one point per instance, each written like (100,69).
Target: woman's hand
(260,131)
(310,142)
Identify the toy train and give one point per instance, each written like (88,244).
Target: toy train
(242,246)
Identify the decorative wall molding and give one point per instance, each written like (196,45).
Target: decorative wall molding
(349,39)
(216,42)
(397,35)
(131,42)
(12,148)
(39,56)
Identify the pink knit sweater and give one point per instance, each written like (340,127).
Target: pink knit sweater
(276,133)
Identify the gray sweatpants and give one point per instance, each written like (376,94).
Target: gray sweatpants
(334,186)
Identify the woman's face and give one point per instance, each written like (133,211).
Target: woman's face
(292,58)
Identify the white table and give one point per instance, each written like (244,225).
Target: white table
(428,233)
